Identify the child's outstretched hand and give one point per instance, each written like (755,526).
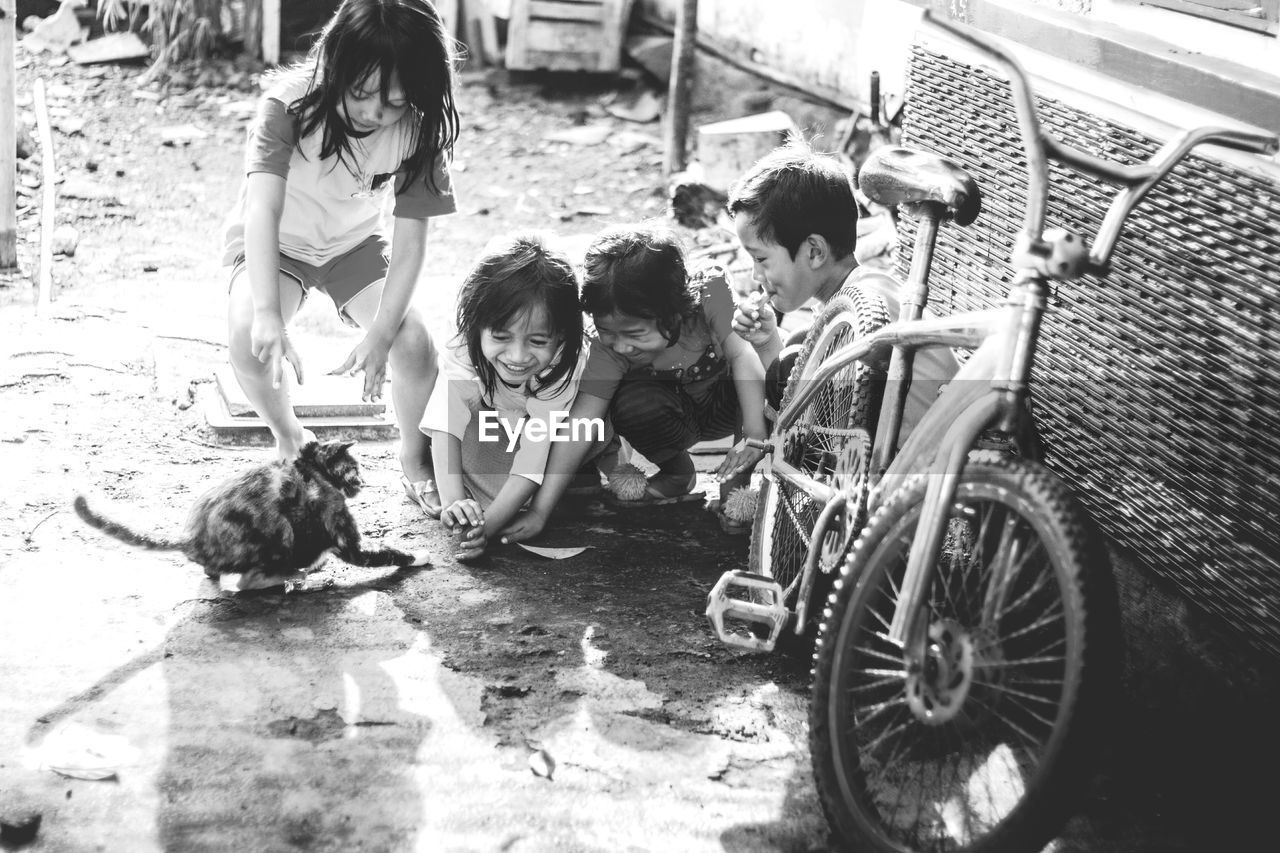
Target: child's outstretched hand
(369,356)
(465,519)
(742,458)
(526,525)
(754,319)
(462,513)
(269,342)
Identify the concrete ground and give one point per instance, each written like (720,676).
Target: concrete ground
(515,704)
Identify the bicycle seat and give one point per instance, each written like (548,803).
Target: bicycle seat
(893,175)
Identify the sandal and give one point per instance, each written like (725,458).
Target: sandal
(424,494)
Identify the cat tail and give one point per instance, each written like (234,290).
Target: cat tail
(119,531)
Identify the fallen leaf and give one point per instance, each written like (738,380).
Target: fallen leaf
(553,553)
(542,764)
(79,752)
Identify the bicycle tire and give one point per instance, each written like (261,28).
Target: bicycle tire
(866,739)
(847,405)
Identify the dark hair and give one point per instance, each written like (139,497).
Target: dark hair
(364,36)
(640,272)
(792,192)
(514,276)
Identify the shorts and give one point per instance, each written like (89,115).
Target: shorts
(341,279)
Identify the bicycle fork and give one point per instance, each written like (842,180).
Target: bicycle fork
(928,652)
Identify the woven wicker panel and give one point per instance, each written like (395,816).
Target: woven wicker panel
(1157,389)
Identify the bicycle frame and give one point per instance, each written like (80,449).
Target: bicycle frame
(987,392)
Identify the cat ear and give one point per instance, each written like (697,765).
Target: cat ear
(344,446)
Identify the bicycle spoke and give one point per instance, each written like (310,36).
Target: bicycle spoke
(1018,693)
(1047,619)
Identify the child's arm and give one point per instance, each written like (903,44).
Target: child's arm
(565,459)
(748,381)
(456,508)
(446,456)
(514,494)
(409,251)
(755,321)
(264,202)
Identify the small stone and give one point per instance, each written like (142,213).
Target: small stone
(19,824)
(65,240)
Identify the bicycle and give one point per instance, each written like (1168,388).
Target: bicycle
(967,650)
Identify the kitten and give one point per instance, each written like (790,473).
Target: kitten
(272,522)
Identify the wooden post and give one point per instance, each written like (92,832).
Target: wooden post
(271,32)
(681,88)
(254,30)
(8,136)
(48,176)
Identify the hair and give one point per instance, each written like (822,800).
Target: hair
(639,271)
(385,36)
(793,192)
(515,276)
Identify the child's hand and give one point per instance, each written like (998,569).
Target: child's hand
(754,320)
(369,356)
(741,459)
(270,344)
(526,525)
(462,513)
(471,543)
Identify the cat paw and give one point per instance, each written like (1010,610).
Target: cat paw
(420,558)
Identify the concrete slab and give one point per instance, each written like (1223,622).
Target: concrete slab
(322,396)
(252,431)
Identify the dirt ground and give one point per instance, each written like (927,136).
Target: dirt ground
(415,711)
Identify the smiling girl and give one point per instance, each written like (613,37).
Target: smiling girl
(367,116)
(519,354)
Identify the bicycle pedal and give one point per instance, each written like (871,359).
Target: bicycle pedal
(747,611)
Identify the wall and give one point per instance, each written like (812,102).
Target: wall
(1123,49)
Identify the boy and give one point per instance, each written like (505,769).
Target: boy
(796,216)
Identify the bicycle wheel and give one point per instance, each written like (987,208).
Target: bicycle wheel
(987,746)
(827,442)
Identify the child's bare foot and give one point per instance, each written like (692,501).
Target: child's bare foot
(288,447)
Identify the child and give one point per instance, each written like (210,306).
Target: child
(371,108)
(518,352)
(665,367)
(796,216)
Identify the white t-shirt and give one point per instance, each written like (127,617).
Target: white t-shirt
(458,396)
(324,216)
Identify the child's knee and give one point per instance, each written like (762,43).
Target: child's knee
(641,407)
(413,343)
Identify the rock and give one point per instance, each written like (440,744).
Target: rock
(65,240)
(26,141)
(643,107)
(183,133)
(588,135)
(70,125)
(83,188)
(19,821)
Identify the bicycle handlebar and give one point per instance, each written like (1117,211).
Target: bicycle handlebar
(1039,146)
